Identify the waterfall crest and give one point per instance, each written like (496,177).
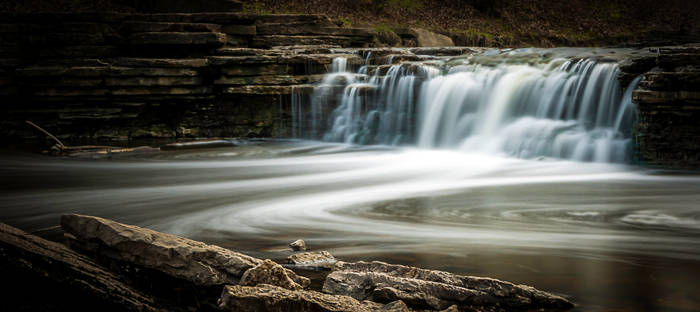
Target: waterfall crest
(565,107)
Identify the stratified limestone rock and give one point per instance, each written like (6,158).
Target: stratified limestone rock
(269,41)
(176,256)
(668,107)
(51,271)
(178,38)
(277,299)
(436,290)
(319,260)
(298,245)
(272,273)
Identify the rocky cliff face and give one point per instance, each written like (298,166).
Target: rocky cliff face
(668,103)
(121,77)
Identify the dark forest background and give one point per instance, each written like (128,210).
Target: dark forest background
(471,22)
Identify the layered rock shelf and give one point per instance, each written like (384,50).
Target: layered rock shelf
(121,77)
(121,267)
(668,99)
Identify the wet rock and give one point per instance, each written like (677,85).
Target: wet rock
(430,289)
(60,277)
(298,245)
(175,256)
(271,273)
(277,299)
(318,260)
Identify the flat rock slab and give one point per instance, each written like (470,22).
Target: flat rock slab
(435,290)
(322,260)
(26,255)
(176,256)
(277,299)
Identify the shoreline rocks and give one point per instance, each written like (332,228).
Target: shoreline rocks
(41,274)
(435,290)
(176,256)
(137,269)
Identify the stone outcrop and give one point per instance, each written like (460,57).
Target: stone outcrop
(668,104)
(44,275)
(271,273)
(277,299)
(176,256)
(435,290)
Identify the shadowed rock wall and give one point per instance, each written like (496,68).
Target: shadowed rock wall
(123,77)
(668,103)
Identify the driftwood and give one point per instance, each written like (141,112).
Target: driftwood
(89,150)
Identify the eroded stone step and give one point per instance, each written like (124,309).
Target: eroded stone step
(269,90)
(268,80)
(269,41)
(141,27)
(178,38)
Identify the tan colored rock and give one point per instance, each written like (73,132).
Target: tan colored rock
(176,256)
(277,299)
(269,272)
(321,260)
(431,289)
(298,245)
(28,255)
(428,38)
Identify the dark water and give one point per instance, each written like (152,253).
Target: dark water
(609,237)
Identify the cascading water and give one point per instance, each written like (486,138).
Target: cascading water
(571,108)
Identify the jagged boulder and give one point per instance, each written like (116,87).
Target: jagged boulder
(176,256)
(34,268)
(277,299)
(434,290)
(269,272)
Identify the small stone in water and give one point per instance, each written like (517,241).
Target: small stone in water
(298,245)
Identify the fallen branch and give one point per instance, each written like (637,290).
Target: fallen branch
(60,144)
(90,150)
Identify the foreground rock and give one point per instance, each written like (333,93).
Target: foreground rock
(272,273)
(322,260)
(176,256)
(44,275)
(273,299)
(435,290)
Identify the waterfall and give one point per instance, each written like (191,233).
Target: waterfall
(561,107)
